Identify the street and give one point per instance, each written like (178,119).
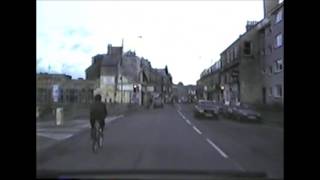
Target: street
(170,138)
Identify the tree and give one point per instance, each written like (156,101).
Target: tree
(180,83)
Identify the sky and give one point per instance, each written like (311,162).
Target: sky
(187,36)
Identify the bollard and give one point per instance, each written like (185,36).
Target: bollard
(59,116)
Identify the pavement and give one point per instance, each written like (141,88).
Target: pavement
(74,112)
(168,138)
(49,134)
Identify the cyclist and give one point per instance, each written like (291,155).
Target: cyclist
(98,112)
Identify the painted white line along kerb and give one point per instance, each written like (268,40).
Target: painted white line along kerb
(196,129)
(217,148)
(188,121)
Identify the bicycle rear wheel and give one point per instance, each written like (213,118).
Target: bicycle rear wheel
(95,146)
(96,137)
(100,140)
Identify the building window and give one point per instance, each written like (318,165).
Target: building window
(247,48)
(279,40)
(278,91)
(279,16)
(278,65)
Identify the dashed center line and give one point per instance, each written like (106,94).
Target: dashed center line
(209,141)
(217,148)
(196,129)
(187,120)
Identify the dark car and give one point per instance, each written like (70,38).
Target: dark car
(245,112)
(206,108)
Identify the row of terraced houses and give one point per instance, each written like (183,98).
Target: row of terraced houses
(250,70)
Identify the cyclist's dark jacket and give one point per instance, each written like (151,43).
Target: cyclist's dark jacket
(98,111)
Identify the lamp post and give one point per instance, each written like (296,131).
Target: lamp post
(222,89)
(121,89)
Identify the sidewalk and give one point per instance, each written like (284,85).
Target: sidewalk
(74,112)
(48,133)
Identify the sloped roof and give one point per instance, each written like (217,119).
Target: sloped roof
(129,68)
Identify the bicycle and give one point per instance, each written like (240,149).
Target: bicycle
(97,141)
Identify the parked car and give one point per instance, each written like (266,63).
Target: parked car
(244,112)
(227,110)
(206,108)
(157,102)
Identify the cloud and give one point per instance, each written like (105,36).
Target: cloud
(62,46)
(69,32)
(75,46)
(86,49)
(39,60)
(83,32)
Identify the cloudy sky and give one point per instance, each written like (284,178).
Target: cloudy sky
(188,36)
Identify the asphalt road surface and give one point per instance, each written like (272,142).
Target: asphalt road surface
(170,138)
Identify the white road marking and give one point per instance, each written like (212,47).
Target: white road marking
(217,148)
(110,119)
(209,141)
(183,117)
(179,107)
(198,131)
(56,136)
(238,165)
(56,130)
(67,131)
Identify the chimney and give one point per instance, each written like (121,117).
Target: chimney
(109,49)
(250,25)
(268,6)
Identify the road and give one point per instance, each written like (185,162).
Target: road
(171,139)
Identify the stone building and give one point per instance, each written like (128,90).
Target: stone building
(271,56)
(125,77)
(70,90)
(252,66)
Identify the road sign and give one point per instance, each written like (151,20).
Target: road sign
(55,92)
